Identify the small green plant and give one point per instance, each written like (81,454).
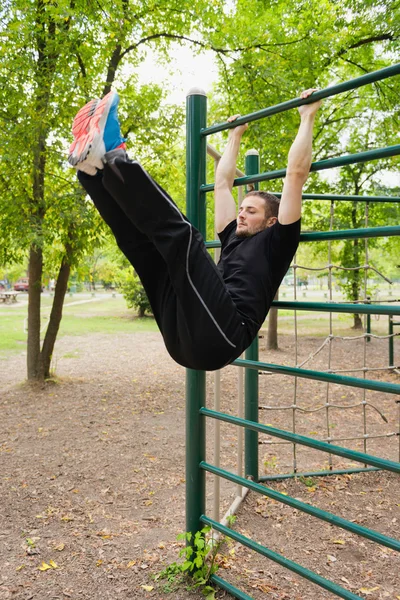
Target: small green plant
(270,463)
(308,481)
(199,562)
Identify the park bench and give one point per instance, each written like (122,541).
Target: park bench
(8,297)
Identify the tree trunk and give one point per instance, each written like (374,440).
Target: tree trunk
(272,333)
(45,35)
(55,318)
(34,292)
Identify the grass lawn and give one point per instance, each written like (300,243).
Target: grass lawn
(82,314)
(104,313)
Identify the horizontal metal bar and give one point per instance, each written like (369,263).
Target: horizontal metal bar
(367,384)
(317,474)
(333,90)
(343,197)
(362,309)
(367,459)
(228,587)
(340,234)
(281,560)
(348,234)
(321,165)
(370,534)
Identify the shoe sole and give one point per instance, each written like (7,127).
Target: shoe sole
(89,147)
(80,125)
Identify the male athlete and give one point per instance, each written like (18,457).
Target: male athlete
(208,314)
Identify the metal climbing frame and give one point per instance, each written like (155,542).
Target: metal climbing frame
(197,413)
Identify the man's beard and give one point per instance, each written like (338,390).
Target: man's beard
(249,233)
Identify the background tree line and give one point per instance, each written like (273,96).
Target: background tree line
(57,54)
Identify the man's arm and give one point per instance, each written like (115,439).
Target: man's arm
(225,206)
(299,163)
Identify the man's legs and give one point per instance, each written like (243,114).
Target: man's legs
(141,253)
(209,331)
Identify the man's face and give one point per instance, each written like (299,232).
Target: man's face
(251,217)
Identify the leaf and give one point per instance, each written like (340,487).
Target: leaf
(332,558)
(130,564)
(44,567)
(369,590)
(60,547)
(53,564)
(148,588)
(340,542)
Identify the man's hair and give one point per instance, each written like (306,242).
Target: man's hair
(271,202)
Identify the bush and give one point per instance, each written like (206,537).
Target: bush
(134,294)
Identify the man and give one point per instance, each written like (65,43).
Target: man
(208,315)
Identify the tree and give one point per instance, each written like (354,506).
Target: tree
(56,55)
(314,44)
(134,293)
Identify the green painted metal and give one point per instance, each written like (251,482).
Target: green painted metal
(352,84)
(343,197)
(317,474)
(252,165)
(321,165)
(348,234)
(368,384)
(228,587)
(362,309)
(196,108)
(342,234)
(281,560)
(369,534)
(374,461)
(196,411)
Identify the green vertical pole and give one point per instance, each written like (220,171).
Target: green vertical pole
(391,344)
(196,115)
(251,376)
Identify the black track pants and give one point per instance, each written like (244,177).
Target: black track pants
(200,324)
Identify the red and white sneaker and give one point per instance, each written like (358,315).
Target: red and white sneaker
(80,129)
(96,132)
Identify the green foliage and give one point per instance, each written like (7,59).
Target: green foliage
(134,292)
(199,562)
(307,481)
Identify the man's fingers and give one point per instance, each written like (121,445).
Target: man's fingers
(308,93)
(233,118)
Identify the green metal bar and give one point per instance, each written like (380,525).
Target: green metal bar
(321,165)
(281,560)
(374,461)
(352,84)
(316,474)
(391,343)
(369,534)
(252,165)
(196,107)
(228,587)
(347,234)
(342,197)
(368,384)
(342,234)
(339,307)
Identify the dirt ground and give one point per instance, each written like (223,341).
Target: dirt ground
(93,481)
